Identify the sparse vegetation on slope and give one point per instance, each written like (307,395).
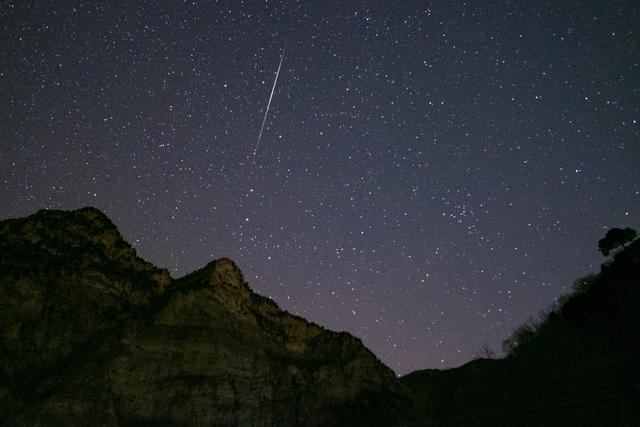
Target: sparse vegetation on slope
(578,365)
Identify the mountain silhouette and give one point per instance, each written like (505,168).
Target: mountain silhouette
(577,365)
(91,334)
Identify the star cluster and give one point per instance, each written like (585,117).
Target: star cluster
(430,174)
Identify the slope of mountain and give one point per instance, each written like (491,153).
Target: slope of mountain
(92,334)
(578,365)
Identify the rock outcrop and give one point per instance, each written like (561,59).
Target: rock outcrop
(92,334)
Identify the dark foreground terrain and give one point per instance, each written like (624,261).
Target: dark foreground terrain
(90,334)
(577,365)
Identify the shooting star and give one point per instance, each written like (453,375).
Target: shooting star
(273,89)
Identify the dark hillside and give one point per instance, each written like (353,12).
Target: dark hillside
(579,365)
(92,334)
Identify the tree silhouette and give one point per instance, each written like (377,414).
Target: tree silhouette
(486,352)
(614,238)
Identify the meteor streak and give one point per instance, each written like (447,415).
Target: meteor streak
(264,120)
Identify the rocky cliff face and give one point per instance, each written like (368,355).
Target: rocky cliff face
(92,334)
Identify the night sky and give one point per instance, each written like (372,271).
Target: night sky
(430,174)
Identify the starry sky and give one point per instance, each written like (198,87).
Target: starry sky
(430,173)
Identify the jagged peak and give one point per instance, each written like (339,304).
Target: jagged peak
(64,227)
(86,212)
(80,239)
(221,272)
(226,272)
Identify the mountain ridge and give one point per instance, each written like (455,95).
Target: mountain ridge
(578,364)
(90,333)
(91,328)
